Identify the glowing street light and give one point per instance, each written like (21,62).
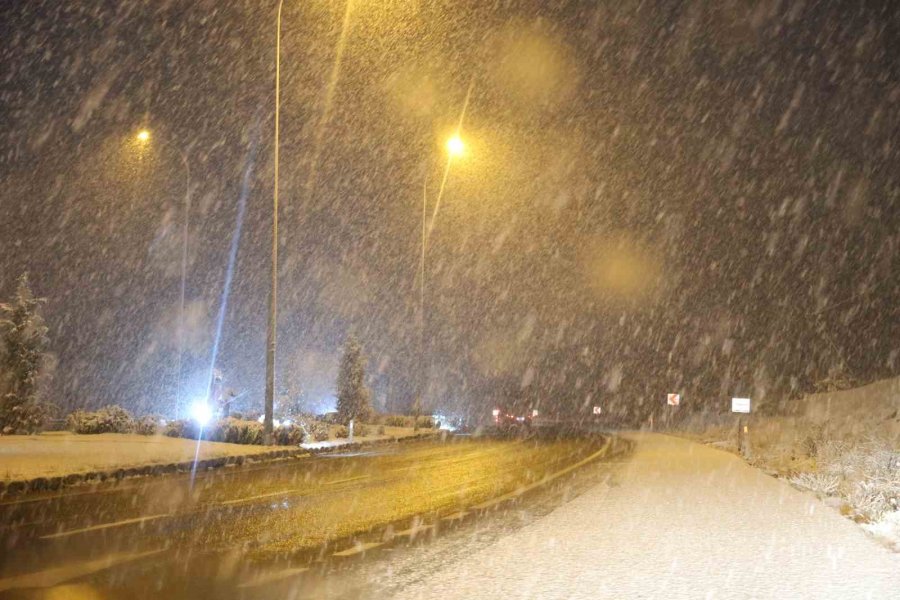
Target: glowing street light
(455,146)
(201,412)
(143,135)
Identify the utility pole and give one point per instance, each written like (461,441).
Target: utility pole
(273,292)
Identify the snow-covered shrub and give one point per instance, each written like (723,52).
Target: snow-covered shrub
(407,421)
(820,483)
(399,421)
(359,430)
(887,528)
(314,430)
(230,430)
(867,475)
(235,431)
(24,418)
(874,497)
(109,419)
(814,438)
(288,435)
(147,425)
(175,429)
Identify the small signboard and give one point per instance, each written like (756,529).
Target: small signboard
(673,399)
(597,410)
(740,405)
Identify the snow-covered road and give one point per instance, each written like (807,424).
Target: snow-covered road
(677,520)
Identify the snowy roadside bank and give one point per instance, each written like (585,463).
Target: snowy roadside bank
(54,460)
(842,446)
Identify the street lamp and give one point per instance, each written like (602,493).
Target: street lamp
(143,136)
(455,148)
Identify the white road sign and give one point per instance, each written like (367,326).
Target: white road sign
(596,410)
(740,405)
(673,399)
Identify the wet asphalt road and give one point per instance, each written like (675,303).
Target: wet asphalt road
(237,531)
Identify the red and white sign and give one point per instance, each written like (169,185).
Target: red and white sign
(673,399)
(597,410)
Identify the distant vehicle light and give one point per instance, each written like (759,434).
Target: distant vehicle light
(496,412)
(201,412)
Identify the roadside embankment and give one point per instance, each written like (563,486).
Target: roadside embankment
(843,446)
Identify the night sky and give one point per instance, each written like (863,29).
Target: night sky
(655,196)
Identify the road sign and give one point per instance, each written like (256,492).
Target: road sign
(740,405)
(596,410)
(673,399)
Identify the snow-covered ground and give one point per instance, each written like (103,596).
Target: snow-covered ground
(61,453)
(677,520)
(843,445)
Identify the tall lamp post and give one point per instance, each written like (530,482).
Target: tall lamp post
(143,137)
(455,148)
(273,291)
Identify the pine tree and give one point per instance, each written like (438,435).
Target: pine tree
(24,337)
(353,395)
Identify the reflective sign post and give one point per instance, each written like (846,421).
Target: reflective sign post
(741,406)
(673,400)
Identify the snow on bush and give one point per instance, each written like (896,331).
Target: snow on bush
(865,474)
(289,435)
(875,496)
(235,431)
(147,425)
(313,429)
(820,483)
(176,429)
(887,528)
(404,421)
(359,430)
(109,419)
